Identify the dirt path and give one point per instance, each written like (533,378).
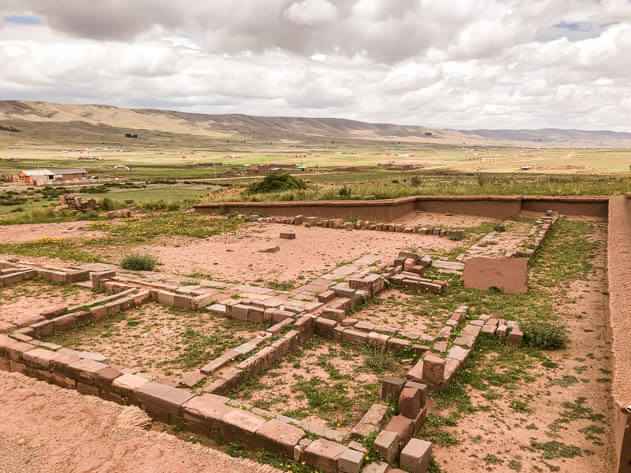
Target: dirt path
(36,231)
(565,423)
(47,429)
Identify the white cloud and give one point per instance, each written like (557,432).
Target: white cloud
(311,12)
(446,64)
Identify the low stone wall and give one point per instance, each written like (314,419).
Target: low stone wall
(390,209)
(619,273)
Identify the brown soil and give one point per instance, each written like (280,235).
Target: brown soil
(430,219)
(284,388)
(161,341)
(37,231)
(46,429)
(582,379)
(23,302)
(402,312)
(235,257)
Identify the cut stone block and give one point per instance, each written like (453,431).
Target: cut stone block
(371,421)
(433,370)
(350,461)
(269,249)
(387,444)
(391,388)
(402,426)
(416,455)
(377,467)
(515,337)
(410,402)
(84,370)
(288,236)
(162,401)
(508,274)
(324,454)
(279,437)
(241,426)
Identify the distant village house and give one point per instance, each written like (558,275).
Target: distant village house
(42,177)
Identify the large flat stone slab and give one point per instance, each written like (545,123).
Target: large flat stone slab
(507,274)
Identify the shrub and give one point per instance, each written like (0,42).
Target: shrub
(345,192)
(456,236)
(138,262)
(107,204)
(544,335)
(415,181)
(500,227)
(276,183)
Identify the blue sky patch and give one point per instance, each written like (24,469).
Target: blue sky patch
(576,31)
(23,20)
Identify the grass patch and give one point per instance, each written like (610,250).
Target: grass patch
(138,262)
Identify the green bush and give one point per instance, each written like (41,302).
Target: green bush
(500,227)
(276,183)
(345,192)
(138,262)
(107,204)
(544,335)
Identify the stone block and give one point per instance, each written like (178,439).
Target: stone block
(391,388)
(378,340)
(334,314)
(64,323)
(279,437)
(515,337)
(324,454)
(12,349)
(84,370)
(241,426)
(43,329)
(104,378)
(416,455)
(397,344)
(371,421)
(162,401)
(376,467)
(350,461)
(403,427)
(508,274)
(269,249)
(240,312)
(433,370)
(387,444)
(88,389)
(410,402)
(325,327)
(38,358)
(127,384)
(288,236)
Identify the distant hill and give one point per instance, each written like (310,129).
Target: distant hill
(24,123)
(555,136)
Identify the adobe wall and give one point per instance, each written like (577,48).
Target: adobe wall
(585,206)
(390,209)
(619,274)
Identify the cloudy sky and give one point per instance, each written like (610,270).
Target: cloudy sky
(447,63)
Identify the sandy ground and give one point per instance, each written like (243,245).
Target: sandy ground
(152,338)
(37,231)
(507,434)
(47,429)
(25,301)
(431,219)
(235,257)
(402,312)
(343,373)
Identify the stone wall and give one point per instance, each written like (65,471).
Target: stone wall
(619,273)
(390,209)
